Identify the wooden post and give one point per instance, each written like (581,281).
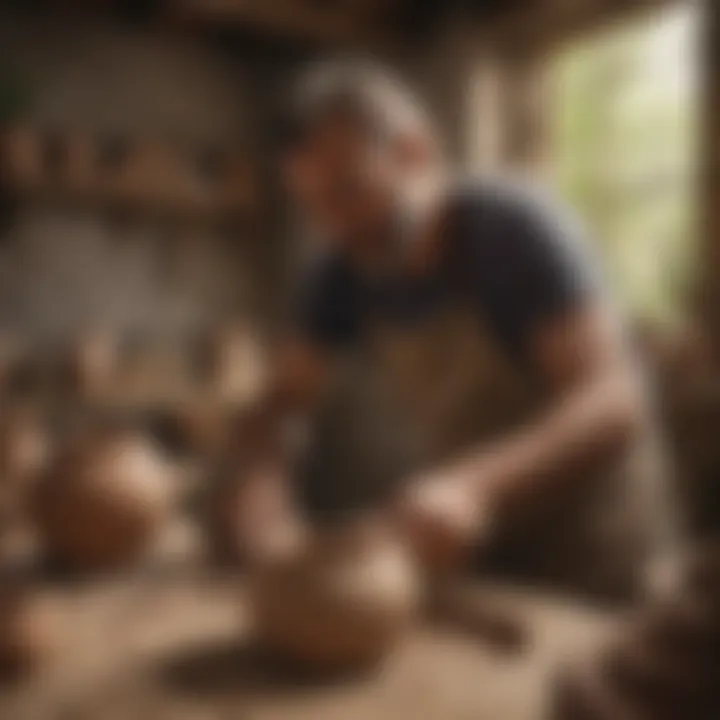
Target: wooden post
(508,117)
(526,108)
(485,126)
(710,175)
(492,105)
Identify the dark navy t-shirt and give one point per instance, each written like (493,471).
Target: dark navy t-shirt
(512,253)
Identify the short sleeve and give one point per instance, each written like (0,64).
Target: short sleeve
(530,262)
(327,305)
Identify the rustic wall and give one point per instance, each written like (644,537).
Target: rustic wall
(61,270)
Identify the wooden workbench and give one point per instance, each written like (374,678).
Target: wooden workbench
(174,644)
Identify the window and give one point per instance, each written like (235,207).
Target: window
(624,153)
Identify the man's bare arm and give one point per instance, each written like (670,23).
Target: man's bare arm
(595,414)
(268,516)
(596,411)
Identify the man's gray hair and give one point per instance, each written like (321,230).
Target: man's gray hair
(358,92)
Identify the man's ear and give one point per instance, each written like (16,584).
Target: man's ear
(414,151)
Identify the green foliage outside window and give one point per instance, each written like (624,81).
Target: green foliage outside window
(625,152)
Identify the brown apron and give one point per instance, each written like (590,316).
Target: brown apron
(422,394)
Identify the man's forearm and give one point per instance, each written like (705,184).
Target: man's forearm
(269,515)
(592,425)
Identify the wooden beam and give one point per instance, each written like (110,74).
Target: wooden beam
(542,24)
(345,24)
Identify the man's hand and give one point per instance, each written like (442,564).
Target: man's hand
(268,524)
(444,514)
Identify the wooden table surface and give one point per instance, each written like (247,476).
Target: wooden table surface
(173,641)
(175,646)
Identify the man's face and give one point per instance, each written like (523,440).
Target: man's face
(344,181)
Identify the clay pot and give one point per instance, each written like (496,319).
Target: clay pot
(94,364)
(24,450)
(202,429)
(232,364)
(103,501)
(26,633)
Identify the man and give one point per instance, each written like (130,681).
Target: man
(474,311)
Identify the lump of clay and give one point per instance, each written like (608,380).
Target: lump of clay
(338,601)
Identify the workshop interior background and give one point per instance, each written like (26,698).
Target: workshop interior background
(146,251)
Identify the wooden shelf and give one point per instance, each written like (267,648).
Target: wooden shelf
(142,177)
